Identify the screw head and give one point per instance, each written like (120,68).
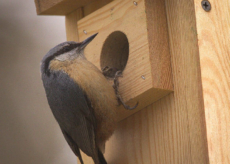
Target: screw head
(135,3)
(206,5)
(85,31)
(143,77)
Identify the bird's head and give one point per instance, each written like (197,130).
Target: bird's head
(65,51)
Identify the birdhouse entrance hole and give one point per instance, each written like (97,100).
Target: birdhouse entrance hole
(115,52)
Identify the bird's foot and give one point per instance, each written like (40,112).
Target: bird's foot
(109,72)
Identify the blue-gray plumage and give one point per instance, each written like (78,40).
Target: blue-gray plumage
(81,99)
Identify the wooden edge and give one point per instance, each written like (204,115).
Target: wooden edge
(64,7)
(160,57)
(71,25)
(59,7)
(147,98)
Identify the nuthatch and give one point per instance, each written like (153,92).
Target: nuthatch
(82,100)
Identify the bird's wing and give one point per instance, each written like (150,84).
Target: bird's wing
(72,111)
(73,146)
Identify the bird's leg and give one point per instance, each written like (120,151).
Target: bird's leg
(115,86)
(116,82)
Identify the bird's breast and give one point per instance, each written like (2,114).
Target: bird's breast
(98,90)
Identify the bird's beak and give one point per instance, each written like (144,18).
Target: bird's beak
(87,41)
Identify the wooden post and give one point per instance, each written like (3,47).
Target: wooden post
(213,30)
(190,125)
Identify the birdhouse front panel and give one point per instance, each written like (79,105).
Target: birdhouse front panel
(129,18)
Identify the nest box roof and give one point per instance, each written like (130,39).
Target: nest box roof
(63,7)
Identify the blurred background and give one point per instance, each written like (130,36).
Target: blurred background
(29,133)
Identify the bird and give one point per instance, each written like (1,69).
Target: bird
(81,99)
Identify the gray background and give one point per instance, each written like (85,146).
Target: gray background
(29,133)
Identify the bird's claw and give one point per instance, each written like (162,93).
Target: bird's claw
(126,106)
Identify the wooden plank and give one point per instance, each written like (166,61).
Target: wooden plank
(71,24)
(171,130)
(157,134)
(213,29)
(64,7)
(59,7)
(187,81)
(123,15)
(88,9)
(158,44)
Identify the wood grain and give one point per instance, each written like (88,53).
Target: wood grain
(171,130)
(187,79)
(88,9)
(158,44)
(213,29)
(121,15)
(190,125)
(71,24)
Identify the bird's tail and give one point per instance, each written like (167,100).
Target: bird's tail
(101,158)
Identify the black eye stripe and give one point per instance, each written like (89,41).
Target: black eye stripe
(64,49)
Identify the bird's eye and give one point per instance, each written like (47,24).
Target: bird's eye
(69,47)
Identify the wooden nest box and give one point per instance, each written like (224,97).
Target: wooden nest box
(132,37)
(142,37)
